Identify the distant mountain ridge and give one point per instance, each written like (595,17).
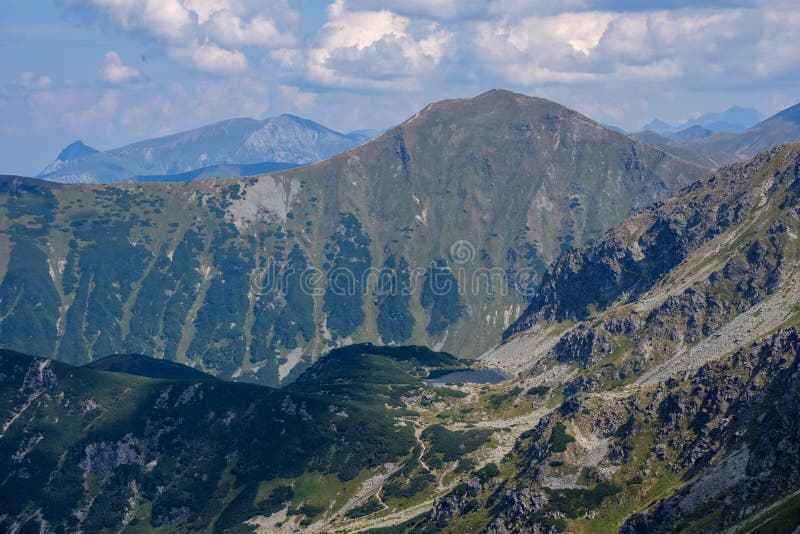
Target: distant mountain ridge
(735,120)
(702,145)
(285,139)
(783,127)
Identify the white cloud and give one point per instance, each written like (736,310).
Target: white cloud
(436,9)
(164,19)
(210,57)
(205,34)
(115,72)
(230,29)
(298,99)
(29,80)
(373,48)
(101,111)
(617,47)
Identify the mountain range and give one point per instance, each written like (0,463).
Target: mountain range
(653,387)
(641,312)
(782,127)
(235,143)
(476,195)
(713,149)
(734,120)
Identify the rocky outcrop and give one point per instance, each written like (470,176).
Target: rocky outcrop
(630,260)
(584,346)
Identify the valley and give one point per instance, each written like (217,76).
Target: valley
(647,384)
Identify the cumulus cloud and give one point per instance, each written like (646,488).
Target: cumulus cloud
(230,29)
(298,99)
(373,48)
(208,35)
(115,72)
(164,19)
(622,61)
(210,57)
(100,111)
(29,80)
(435,9)
(622,46)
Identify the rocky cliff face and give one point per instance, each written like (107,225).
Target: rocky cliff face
(429,234)
(705,450)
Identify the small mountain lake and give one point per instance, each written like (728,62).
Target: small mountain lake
(464,376)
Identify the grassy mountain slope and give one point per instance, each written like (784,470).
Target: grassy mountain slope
(98,451)
(459,206)
(136,364)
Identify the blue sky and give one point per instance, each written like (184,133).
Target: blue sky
(112,72)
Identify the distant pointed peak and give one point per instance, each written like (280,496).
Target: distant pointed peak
(75,150)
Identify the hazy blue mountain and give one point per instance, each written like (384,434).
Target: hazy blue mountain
(362,136)
(75,150)
(285,139)
(735,120)
(783,127)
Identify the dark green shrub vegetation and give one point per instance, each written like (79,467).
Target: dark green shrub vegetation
(560,438)
(440,294)
(465,465)
(395,321)
(349,258)
(370,507)
(29,302)
(488,472)
(276,501)
(219,326)
(498,399)
(406,488)
(297,316)
(576,502)
(539,391)
(451,393)
(448,446)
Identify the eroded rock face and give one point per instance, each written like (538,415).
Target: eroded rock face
(584,346)
(103,457)
(459,501)
(39,378)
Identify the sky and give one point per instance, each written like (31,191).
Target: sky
(111,72)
